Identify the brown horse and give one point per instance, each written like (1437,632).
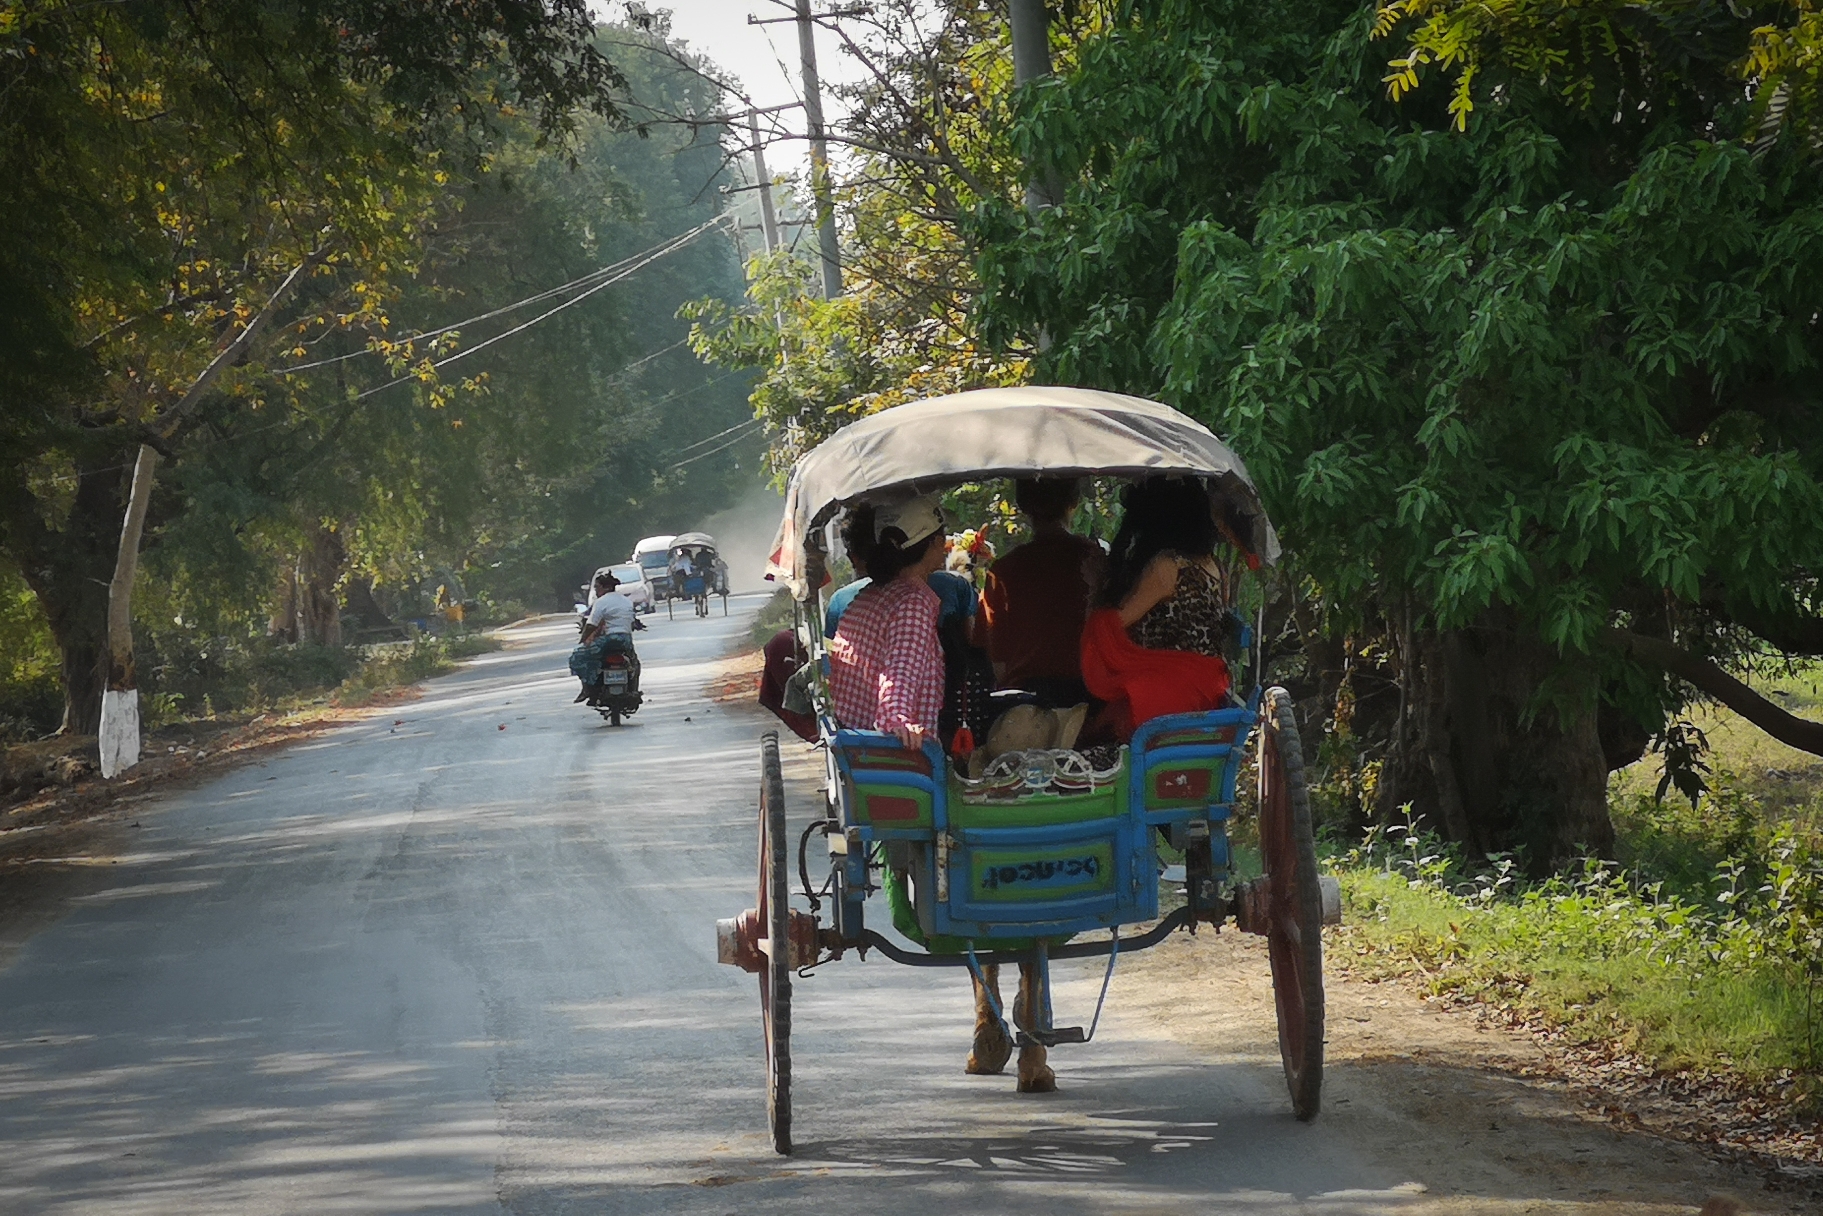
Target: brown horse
(992,1048)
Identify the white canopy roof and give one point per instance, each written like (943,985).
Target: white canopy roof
(943,442)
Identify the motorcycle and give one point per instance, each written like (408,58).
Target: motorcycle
(618,693)
(615,693)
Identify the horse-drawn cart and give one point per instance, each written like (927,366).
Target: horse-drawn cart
(698,572)
(1017,864)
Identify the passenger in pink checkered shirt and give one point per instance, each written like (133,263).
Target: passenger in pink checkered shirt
(885,662)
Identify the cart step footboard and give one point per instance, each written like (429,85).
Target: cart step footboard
(1051,1038)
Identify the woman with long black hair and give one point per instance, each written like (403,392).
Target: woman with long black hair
(1153,645)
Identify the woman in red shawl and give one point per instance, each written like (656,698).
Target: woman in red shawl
(1154,644)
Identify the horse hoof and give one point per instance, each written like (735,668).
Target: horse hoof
(1040,1080)
(1035,1076)
(991,1052)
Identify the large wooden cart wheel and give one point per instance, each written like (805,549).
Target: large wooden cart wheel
(1294,902)
(775,917)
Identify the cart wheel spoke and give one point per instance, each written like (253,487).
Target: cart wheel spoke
(1294,936)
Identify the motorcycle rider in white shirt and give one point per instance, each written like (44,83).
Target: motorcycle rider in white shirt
(611,613)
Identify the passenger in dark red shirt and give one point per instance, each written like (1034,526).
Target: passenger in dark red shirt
(1037,597)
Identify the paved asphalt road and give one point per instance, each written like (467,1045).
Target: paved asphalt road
(464,962)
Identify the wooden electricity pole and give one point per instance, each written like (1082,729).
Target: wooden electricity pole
(819,154)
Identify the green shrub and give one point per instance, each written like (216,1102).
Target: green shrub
(775,615)
(31,684)
(240,673)
(398,664)
(1706,971)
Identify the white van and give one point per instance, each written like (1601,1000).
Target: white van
(653,557)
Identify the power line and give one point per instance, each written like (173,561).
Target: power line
(641,362)
(520,328)
(711,439)
(712,451)
(669,245)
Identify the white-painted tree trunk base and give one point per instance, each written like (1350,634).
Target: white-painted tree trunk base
(119,731)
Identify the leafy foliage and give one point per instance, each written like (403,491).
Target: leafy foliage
(1611,54)
(927,133)
(404,166)
(828,362)
(1553,366)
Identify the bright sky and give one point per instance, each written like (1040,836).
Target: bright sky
(764,58)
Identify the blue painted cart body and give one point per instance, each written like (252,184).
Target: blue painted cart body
(987,869)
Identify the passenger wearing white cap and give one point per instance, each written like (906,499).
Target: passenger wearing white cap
(885,662)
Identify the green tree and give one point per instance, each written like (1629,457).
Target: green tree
(535,459)
(1535,402)
(165,174)
(1611,53)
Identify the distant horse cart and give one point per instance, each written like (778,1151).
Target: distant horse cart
(698,572)
(1042,856)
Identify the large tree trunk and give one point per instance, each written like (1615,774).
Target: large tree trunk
(67,568)
(319,571)
(1482,762)
(283,623)
(83,642)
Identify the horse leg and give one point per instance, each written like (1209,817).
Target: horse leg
(992,1047)
(1035,1076)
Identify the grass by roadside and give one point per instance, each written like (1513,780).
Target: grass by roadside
(1596,958)
(1698,953)
(1661,1018)
(405,663)
(1683,979)
(774,615)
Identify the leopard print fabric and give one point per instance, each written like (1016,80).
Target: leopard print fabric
(1193,619)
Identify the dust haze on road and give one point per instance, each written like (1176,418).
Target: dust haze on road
(460,958)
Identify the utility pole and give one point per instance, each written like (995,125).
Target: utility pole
(819,154)
(769,220)
(1030,27)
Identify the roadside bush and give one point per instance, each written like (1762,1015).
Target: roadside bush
(228,674)
(1714,972)
(31,691)
(489,612)
(233,675)
(30,707)
(397,664)
(774,616)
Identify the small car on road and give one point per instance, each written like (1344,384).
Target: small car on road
(633,585)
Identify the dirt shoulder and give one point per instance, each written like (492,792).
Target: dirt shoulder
(737,678)
(1501,1103)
